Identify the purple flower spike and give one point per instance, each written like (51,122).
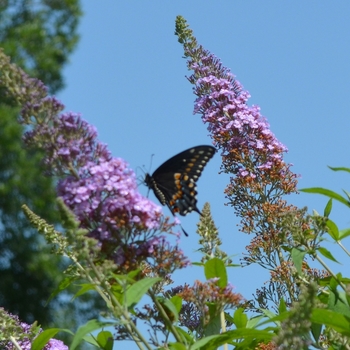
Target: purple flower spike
(106,195)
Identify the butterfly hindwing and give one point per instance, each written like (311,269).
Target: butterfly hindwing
(174,182)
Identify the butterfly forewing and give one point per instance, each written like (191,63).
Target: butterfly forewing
(174,182)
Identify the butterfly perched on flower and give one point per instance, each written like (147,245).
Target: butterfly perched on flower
(174,182)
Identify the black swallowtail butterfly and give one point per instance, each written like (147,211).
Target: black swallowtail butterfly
(174,182)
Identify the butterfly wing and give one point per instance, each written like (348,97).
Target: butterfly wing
(174,182)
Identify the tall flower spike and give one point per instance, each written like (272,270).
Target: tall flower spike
(210,240)
(250,151)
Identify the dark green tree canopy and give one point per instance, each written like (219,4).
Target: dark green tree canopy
(39,36)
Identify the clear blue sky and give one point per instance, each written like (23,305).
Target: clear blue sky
(127,77)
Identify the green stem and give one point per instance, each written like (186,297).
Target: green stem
(165,317)
(223,325)
(345,250)
(330,271)
(129,324)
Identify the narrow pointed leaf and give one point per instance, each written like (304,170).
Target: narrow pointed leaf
(347,194)
(316,330)
(298,257)
(344,233)
(282,307)
(42,339)
(328,193)
(171,309)
(339,169)
(328,208)
(139,289)
(333,230)
(64,284)
(240,319)
(84,289)
(326,253)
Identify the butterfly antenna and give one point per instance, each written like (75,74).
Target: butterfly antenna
(150,165)
(186,234)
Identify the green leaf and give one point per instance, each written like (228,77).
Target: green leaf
(105,340)
(170,308)
(326,281)
(87,328)
(42,339)
(229,318)
(347,194)
(64,284)
(203,342)
(333,285)
(273,318)
(84,289)
(316,330)
(89,338)
(338,302)
(326,253)
(216,268)
(332,319)
(344,233)
(282,306)
(176,346)
(124,280)
(177,302)
(139,289)
(240,319)
(213,327)
(187,338)
(339,169)
(333,230)
(298,257)
(254,321)
(251,335)
(328,193)
(328,208)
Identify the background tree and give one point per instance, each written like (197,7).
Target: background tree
(39,36)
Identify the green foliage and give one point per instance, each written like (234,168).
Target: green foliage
(31,268)
(85,330)
(306,308)
(215,268)
(40,35)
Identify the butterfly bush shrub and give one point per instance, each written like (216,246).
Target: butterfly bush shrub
(260,179)
(116,238)
(113,236)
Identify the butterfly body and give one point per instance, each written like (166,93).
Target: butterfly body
(174,182)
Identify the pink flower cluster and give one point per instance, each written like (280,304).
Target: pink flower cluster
(104,197)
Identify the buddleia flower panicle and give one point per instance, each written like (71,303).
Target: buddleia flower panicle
(249,149)
(99,189)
